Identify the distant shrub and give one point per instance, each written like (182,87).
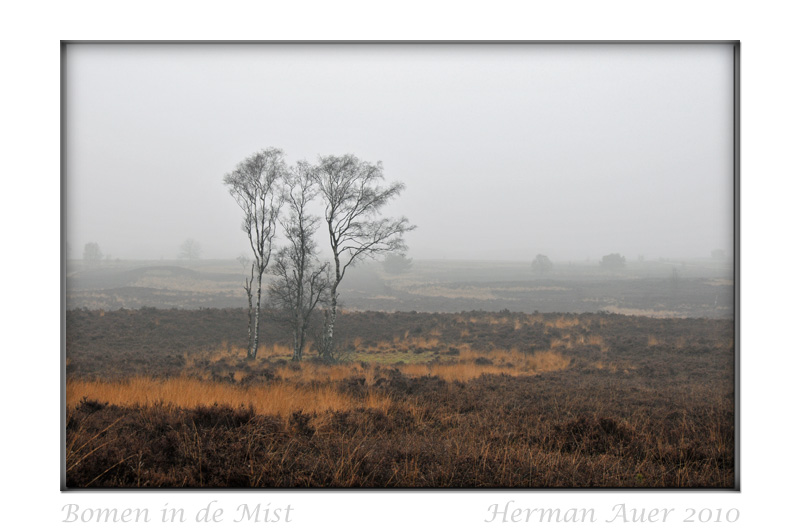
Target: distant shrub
(613,261)
(542,264)
(396,264)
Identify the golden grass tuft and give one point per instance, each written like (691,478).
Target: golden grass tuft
(461,372)
(548,360)
(511,362)
(562,343)
(280,398)
(595,340)
(304,386)
(422,342)
(276,350)
(536,318)
(562,322)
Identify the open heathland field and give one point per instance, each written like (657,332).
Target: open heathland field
(166,398)
(648,288)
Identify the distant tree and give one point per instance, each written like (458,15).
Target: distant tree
(190,250)
(613,261)
(92,254)
(300,278)
(255,185)
(244,260)
(542,264)
(353,197)
(397,264)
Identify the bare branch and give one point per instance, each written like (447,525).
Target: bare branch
(353,195)
(300,279)
(255,185)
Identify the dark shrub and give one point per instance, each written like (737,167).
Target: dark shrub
(354,386)
(222,416)
(299,422)
(89,406)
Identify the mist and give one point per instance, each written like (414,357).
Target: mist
(506,151)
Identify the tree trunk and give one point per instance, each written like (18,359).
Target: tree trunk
(298,344)
(248,288)
(249,325)
(256,318)
(330,320)
(297,311)
(302,342)
(330,323)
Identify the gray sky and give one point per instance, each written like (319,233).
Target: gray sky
(507,151)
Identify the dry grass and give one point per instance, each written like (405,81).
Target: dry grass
(421,342)
(299,387)
(562,322)
(613,367)
(613,413)
(569,342)
(276,350)
(547,361)
(461,372)
(510,362)
(562,343)
(595,340)
(279,398)
(322,373)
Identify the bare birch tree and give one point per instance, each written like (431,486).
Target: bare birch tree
(353,195)
(255,185)
(300,279)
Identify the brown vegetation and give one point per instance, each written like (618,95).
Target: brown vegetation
(167,398)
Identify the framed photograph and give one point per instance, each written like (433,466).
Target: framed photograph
(400,265)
